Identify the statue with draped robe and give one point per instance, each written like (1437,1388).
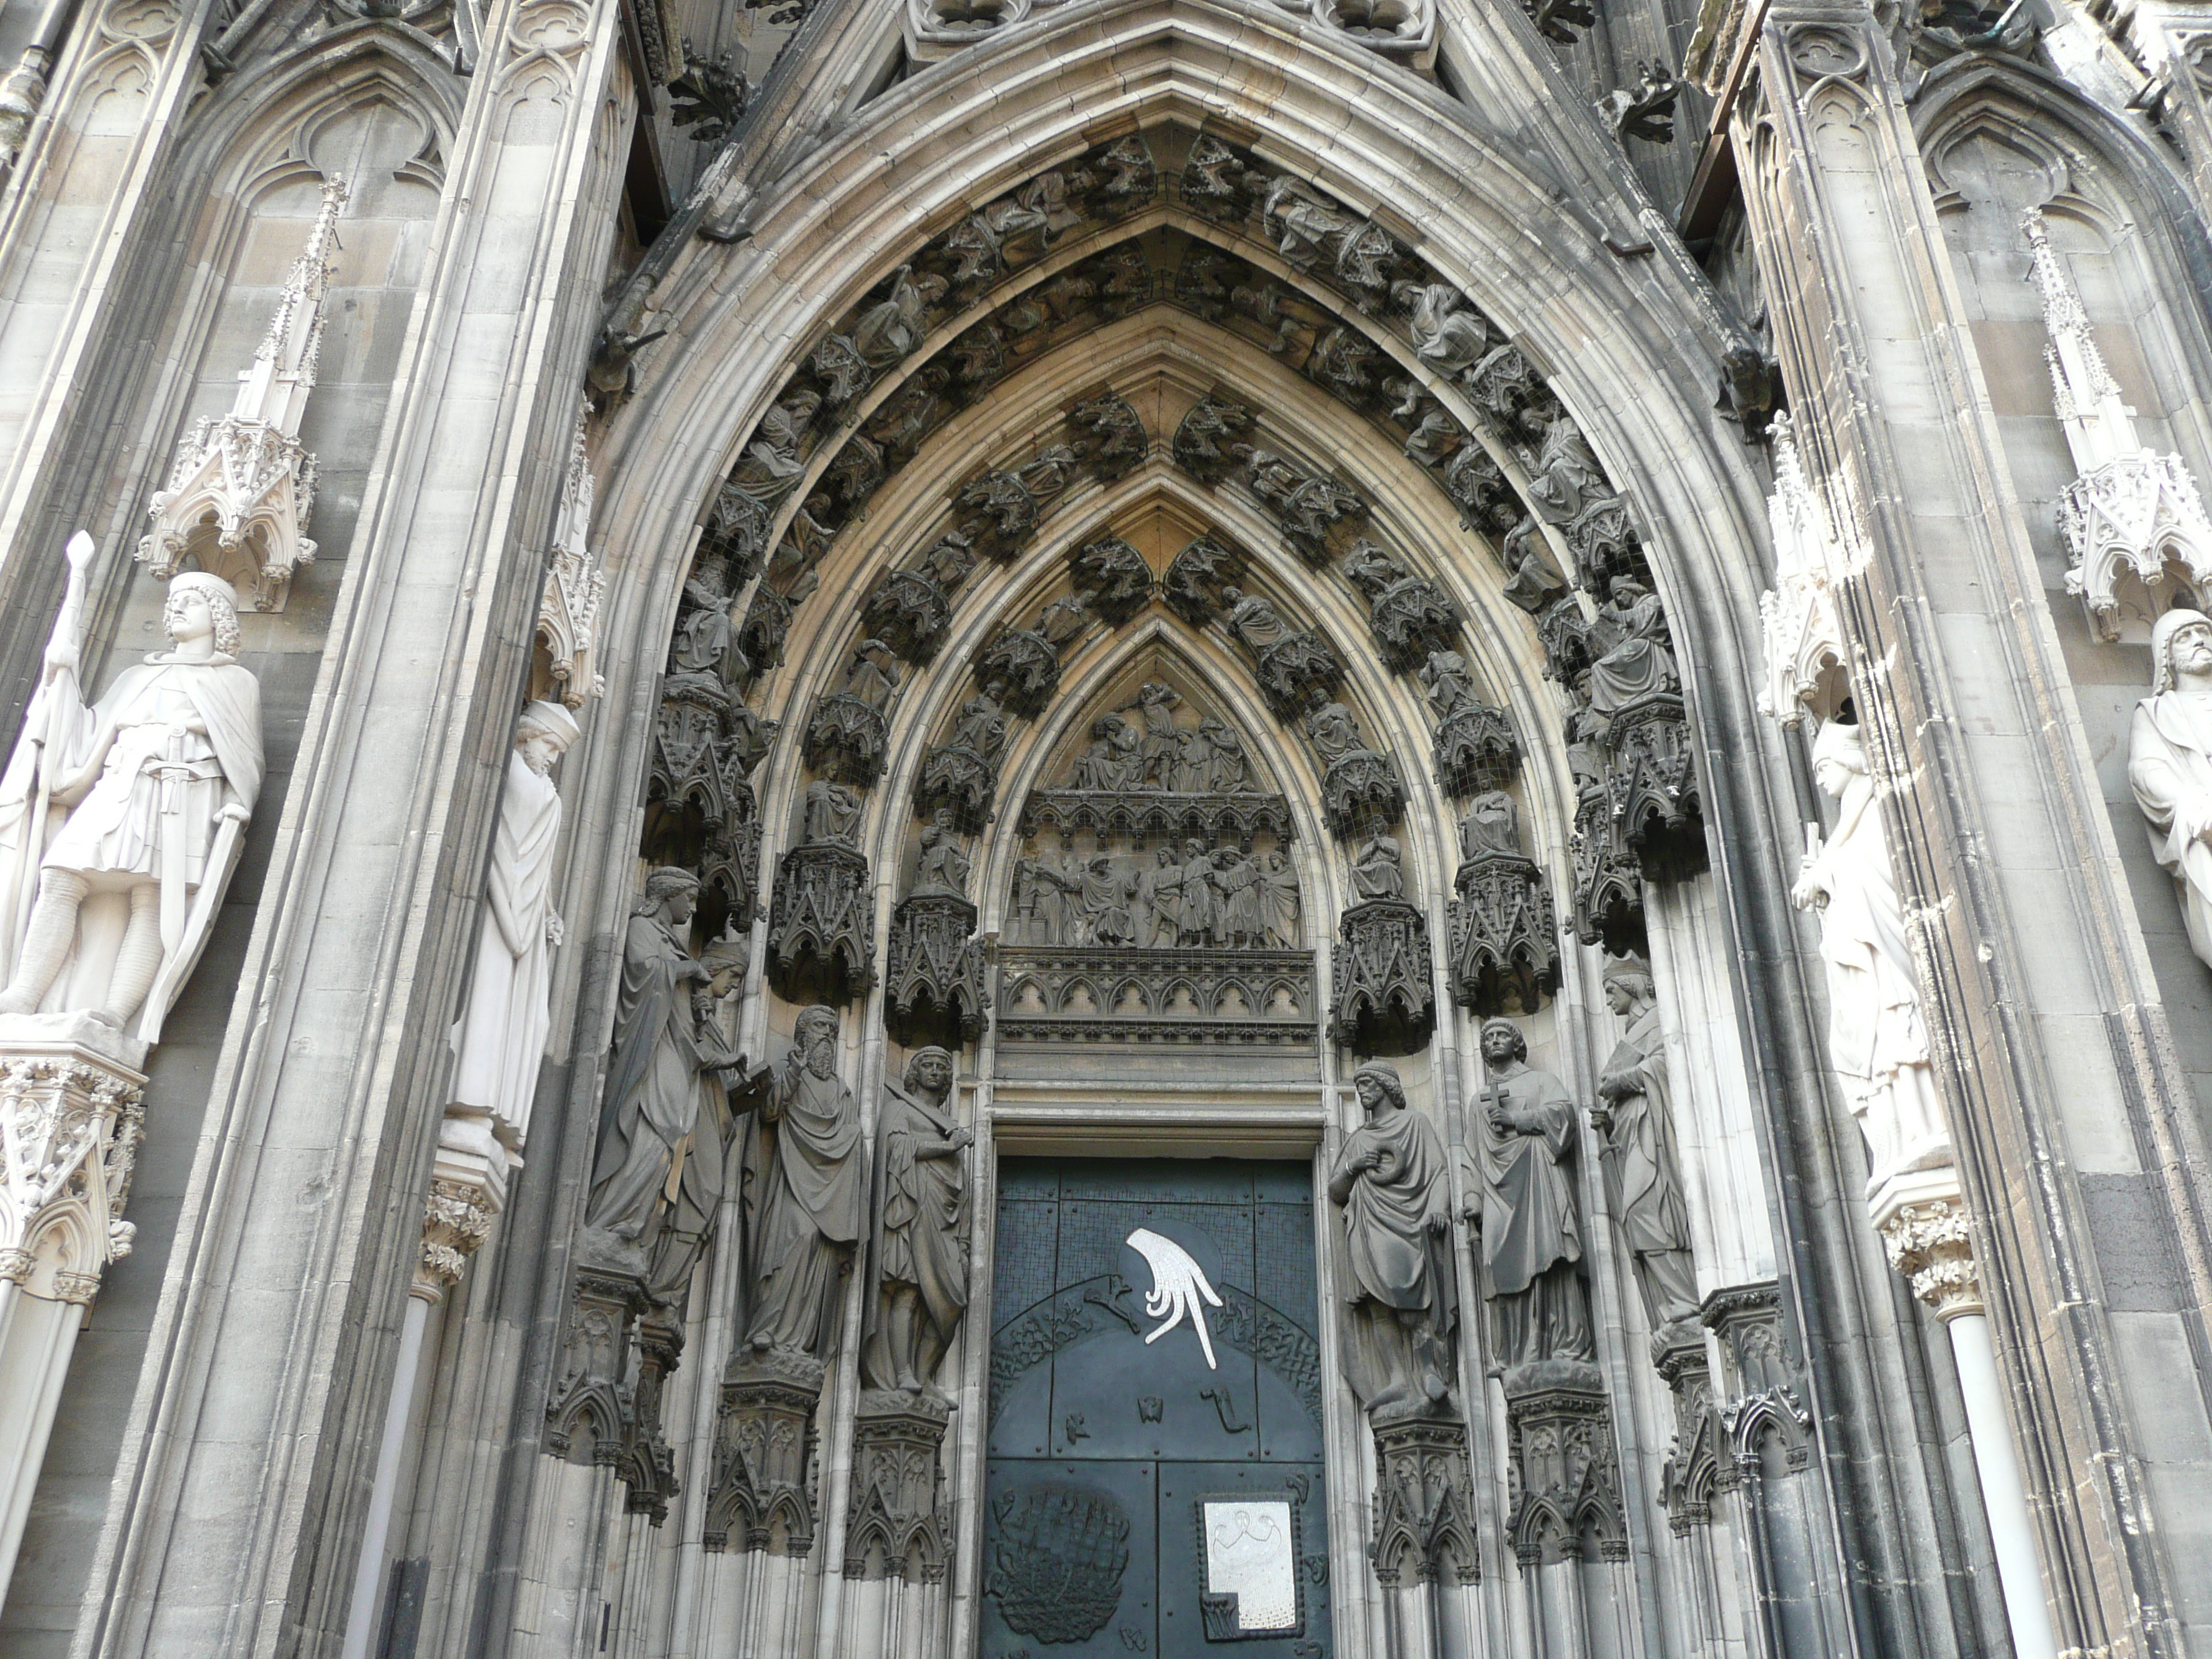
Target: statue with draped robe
(922,1228)
(806,1196)
(1532,1241)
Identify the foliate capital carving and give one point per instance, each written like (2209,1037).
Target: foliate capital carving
(457,1219)
(72,1118)
(1932,1244)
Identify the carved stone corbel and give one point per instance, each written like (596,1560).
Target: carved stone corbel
(933,980)
(1565,1474)
(898,1526)
(72,1114)
(1424,1514)
(822,924)
(764,1441)
(1505,949)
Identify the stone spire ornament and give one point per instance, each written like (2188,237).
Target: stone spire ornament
(2130,511)
(243,485)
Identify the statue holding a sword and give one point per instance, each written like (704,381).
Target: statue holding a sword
(121,820)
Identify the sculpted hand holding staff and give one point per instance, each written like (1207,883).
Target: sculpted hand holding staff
(126,817)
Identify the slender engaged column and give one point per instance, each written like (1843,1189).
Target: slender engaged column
(1923,1221)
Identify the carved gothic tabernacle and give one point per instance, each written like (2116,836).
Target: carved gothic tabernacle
(933,975)
(1381,969)
(763,1498)
(1424,1514)
(1566,1476)
(1505,936)
(822,924)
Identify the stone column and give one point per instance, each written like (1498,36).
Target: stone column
(1924,1224)
(72,1113)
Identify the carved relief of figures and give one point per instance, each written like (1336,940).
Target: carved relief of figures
(2170,765)
(1644,1179)
(705,640)
(131,811)
(657,1079)
(1378,869)
(1278,897)
(1531,1247)
(806,1196)
(1156,901)
(1141,749)
(922,1228)
(1449,334)
(1877,1031)
(1199,897)
(500,1035)
(1333,731)
(1392,1181)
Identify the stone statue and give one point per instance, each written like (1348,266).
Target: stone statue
(1877,1034)
(1278,885)
(922,1228)
(705,640)
(1156,703)
(1446,680)
(1252,620)
(2170,765)
(125,816)
(1155,901)
(1105,902)
(1333,731)
(1197,911)
(1227,771)
(942,869)
(1492,825)
(1243,920)
(1642,1176)
(980,726)
(500,1035)
(1634,660)
(806,1194)
(1394,1182)
(873,676)
(831,813)
(1378,869)
(1532,1241)
(654,1083)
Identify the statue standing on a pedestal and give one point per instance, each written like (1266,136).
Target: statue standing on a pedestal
(2170,765)
(500,1035)
(655,1084)
(922,1228)
(1532,1240)
(1877,1032)
(1394,1181)
(1644,1178)
(807,1187)
(126,817)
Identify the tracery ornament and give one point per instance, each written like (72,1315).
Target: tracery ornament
(1564,1473)
(71,1118)
(1424,1526)
(1476,750)
(1504,949)
(1807,655)
(2130,511)
(575,587)
(762,1498)
(1412,619)
(822,922)
(242,486)
(1382,972)
(933,981)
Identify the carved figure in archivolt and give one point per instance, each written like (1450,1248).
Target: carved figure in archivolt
(806,1194)
(663,1063)
(1393,1179)
(2170,765)
(941,870)
(1532,1239)
(1643,1175)
(1378,869)
(1632,649)
(1877,1031)
(922,1228)
(124,817)
(500,1035)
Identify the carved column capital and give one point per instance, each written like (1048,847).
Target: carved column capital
(468,1189)
(72,1113)
(1931,1241)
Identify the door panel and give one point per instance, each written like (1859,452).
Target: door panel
(1161,1496)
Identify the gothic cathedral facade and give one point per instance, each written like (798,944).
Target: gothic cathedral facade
(1046,828)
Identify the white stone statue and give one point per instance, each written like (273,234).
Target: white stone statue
(126,817)
(500,1035)
(2170,763)
(1877,1033)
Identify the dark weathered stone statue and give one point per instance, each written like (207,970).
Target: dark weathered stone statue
(807,1185)
(922,1228)
(1394,1182)
(1532,1241)
(655,1084)
(1642,1176)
